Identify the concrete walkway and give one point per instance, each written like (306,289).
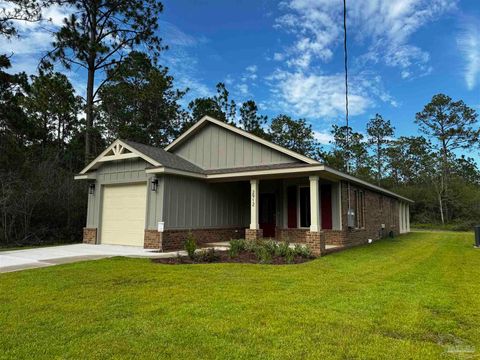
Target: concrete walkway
(53,255)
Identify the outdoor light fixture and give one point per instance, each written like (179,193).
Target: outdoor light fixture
(91,189)
(154,184)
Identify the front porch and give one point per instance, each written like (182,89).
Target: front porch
(305,210)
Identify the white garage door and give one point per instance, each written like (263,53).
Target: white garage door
(123,214)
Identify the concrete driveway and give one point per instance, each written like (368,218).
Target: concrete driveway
(47,256)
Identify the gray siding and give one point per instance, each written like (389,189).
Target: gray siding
(214,147)
(191,203)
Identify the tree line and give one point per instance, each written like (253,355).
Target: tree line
(48,132)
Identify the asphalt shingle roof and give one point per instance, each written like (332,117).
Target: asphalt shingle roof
(165,158)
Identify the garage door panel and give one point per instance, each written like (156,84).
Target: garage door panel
(123,214)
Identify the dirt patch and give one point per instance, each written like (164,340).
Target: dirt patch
(224,257)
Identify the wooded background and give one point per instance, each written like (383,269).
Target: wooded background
(48,132)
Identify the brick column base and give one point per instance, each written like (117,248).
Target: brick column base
(316,242)
(90,236)
(152,240)
(253,234)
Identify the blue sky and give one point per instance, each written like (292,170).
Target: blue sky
(288,55)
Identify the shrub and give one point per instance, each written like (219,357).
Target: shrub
(207,255)
(190,245)
(270,246)
(283,248)
(251,245)
(289,255)
(303,251)
(236,246)
(264,256)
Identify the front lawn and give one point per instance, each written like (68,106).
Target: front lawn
(417,296)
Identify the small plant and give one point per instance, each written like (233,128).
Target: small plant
(236,247)
(303,251)
(207,255)
(289,255)
(270,246)
(283,248)
(264,256)
(251,245)
(190,245)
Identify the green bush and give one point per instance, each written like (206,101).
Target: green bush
(289,255)
(236,246)
(251,245)
(282,248)
(190,245)
(263,254)
(303,251)
(207,255)
(270,246)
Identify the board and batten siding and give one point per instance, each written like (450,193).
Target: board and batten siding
(195,204)
(124,172)
(214,147)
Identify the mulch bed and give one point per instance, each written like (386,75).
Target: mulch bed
(224,257)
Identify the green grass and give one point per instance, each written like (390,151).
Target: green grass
(408,298)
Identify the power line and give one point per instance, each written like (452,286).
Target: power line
(346,82)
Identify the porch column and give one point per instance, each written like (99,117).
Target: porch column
(254,205)
(400,217)
(254,232)
(314,205)
(408,217)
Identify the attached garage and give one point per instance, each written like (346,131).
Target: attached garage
(123,214)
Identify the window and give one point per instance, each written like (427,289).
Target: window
(304,206)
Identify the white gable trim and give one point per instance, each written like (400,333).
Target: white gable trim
(119,150)
(241,132)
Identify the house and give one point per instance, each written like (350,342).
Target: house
(220,182)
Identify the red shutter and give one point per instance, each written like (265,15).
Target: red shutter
(292,206)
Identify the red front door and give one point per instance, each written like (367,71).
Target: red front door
(267,214)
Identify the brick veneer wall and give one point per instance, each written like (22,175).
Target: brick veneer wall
(253,234)
(175,239)
(152,240)
(375,215)
(291,235)
(316,242)
(379,209)
(90,236)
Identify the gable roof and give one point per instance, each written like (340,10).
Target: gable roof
(126,149)
(165,158)
(209,120)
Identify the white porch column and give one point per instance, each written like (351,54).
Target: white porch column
(254,204)
(314,204)
(403,218)
(408,217)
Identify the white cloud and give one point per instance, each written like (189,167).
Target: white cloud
(468,43)
(182,62)
(243,89)
(172,35)
(384,26)
(323,137)
(318,96)
(278,56)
